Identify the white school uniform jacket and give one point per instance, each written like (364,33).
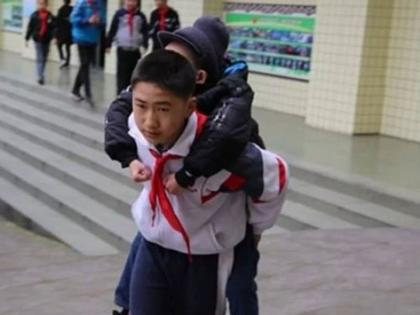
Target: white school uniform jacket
(210,217)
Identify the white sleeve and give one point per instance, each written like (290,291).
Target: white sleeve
(264,211)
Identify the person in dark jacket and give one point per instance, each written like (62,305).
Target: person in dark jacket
(63,33)
(163,18)
(88,20)
(129,29)
(226,132)
(41,29)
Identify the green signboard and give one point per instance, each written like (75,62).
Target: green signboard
(273,39)
(11,15)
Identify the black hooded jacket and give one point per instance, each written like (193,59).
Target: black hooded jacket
(34,28)
(227,131)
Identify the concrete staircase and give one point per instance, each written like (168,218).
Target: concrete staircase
(56,179)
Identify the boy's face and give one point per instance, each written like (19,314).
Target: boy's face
(159,114)
(41,4)
(160,3)
(130,4)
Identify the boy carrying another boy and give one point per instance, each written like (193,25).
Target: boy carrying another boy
(223,94)
(183,263)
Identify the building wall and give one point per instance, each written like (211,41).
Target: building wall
(369,104)
(338,49)
(8,40)
(12,42)
(401,112)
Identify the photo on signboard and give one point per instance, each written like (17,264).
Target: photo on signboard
(274,39)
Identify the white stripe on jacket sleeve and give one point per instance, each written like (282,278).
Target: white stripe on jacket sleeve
(265,211)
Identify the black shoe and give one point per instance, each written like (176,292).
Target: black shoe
(90,101)
(123,312)
(77,97)
(41,81)
(64,64)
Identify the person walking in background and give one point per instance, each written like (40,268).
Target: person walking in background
(129,29)
(41,29)
(163,18)
(63,33)
(87,19)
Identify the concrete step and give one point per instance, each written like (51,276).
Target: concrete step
(59,105)
(29,212)
(77,131)
(80,153)
(114,195)
(77,152)
(52,91)
(307,208)
(314,193)
(89,182)
(292,225)
(315,218)
(351,218)
(357,186)
(104,222)
(329,208)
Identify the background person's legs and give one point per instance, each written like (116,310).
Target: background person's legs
(45,49)
(38,51)
(86,53)
(83,62)
(60,50)
(90,54)
(42,50)
(68,54)
(126,62)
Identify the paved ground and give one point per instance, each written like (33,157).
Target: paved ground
(368,272)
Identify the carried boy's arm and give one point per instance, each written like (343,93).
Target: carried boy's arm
(225,134)
(118,143)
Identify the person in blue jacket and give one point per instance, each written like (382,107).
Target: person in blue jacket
(88,19)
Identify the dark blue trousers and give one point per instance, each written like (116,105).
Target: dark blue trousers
(165,282)
(241,287)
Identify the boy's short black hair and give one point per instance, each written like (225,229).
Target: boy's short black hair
(168,70)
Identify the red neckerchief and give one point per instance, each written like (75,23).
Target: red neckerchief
(162,18)
(158,194)
(131,14)
(43,16)
(158,191)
